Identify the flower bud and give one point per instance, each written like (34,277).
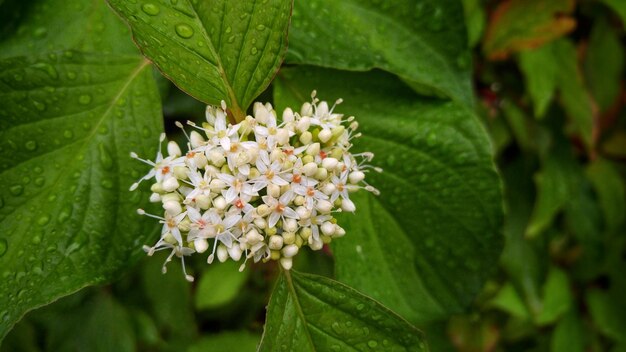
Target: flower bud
(275,242)
(289,237)
(290,250)
(329,163)
(282,136)
(303,213)
(290,225)
(235,252)
(263,210)
(328,228)
(196,139)
(328,188)
(173,149)
(286,263)
(347,205)
(288,115)
(220,203)
(203,201)
(310,169)
(222,253)
(170,184)
(321,174)
(313,149)
(201,245)
(181,172)
(260,223)
(155,198)
(273,190)
(324,206)
(306,110)
(356,176)
(172,207)
(306,137)
(325,135)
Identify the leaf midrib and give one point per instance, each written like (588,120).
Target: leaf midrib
(292,291)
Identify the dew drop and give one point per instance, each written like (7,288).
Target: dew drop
(372,343)
(231,39)
(254,50)
(36,240)
(64,215)
(228,30)
(40,32)
(16,190)
(71,75)
(3,246)
(68,134)
(43,220)
(47,68)
(39,181)
(336,327)
(84,99)
(107,184)
(360,306)
(105,156)
(151,9)
(260,27)
(39,106)
(184,31)
(30,145)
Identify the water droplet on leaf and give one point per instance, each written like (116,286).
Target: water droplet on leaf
(151,9)
(184,31)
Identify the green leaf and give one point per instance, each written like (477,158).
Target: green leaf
(574,96)
(508,300)
(219,284)
(557,297)
(425,246)
(476,18)
(608,312)
(540,71)
(213,50)
(67,125)
(522,24)
(568,336)
(313,313)
(227,341)
(424,42)
(609,185)
(604,64)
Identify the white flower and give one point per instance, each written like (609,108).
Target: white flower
(280,208)
(271,173)
(306,188)
(237,187)
(162,168)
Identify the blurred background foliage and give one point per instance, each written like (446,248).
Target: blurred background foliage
(549,79)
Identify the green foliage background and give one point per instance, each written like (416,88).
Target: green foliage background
(453,255)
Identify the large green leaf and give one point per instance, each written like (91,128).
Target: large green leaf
(213,50)
(425,246)
(422,41)
(77,99)
(67,125)
(313,313)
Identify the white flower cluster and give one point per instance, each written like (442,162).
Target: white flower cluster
(257,189)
